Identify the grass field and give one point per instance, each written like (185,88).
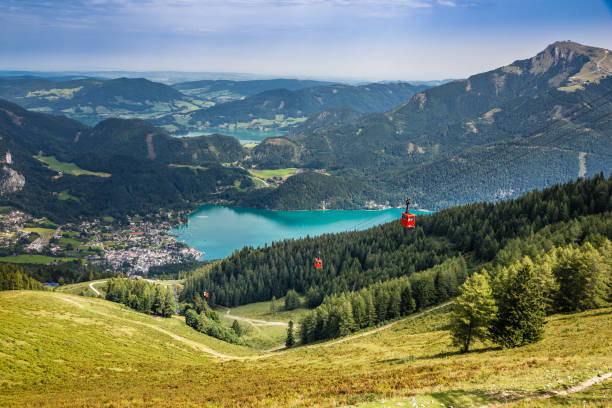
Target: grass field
(189,166)
(257,182)
(63,350)
(55,93)
(258,334)
(34,259)
(268,174)
(82,288)
(64,195)
(45,233)
(261,311)
(65,241)
(67,168)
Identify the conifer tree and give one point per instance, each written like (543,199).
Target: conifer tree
(583,278)
(307,328)
(191,318)
(292,300)
(473,311)
(237,328)
(521,302)
(169,303)
(290,337)
(273,305)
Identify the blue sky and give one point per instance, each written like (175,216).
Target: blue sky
(362,39)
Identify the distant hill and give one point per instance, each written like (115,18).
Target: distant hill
(62,169)
(284,108)
(92,100)
(526,125)
(307,191)
(140,139)
(225,90)
(325,120)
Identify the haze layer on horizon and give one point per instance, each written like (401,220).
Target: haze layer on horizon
(366,39)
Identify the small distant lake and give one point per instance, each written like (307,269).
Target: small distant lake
(243,135)
(219,230)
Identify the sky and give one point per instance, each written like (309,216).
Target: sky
(357,39)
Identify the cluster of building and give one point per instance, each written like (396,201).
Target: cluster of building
(10,227)
(134,247)
(141,259)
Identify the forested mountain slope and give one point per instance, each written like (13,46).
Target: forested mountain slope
(501,133)
(353,260)
(92,100)
(325,120)
(280,108)
(221,91)
(62,169)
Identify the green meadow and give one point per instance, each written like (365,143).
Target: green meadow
(268,174)
(34,259)
(67,168)
(65,350)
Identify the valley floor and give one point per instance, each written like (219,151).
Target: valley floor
(60,350)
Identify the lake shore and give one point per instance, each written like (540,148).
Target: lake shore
(219,230)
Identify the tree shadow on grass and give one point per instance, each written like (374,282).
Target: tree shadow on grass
(459,353)
(572,315)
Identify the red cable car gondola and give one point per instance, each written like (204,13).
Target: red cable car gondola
(318,263)
(408,217)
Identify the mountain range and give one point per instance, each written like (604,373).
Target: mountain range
(498,134)
(284,108)
(523,126)
(63,169)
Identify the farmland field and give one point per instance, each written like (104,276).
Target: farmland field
(45,233)
(264,329)
(33,259)
(267,174)
(189,166)
(67,168)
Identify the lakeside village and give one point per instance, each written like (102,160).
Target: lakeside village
(132,248)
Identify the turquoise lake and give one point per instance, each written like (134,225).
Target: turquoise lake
(219,230)
(243,135)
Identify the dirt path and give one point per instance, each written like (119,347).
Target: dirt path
(268,353)
(255,177)
(586,384)
(381,328)
(91,286)
(254,322)
(580,387)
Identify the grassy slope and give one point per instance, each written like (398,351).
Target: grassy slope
(68,168)
(82,288)
(34,259)
(61,350)
(268,174)
(259,335)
